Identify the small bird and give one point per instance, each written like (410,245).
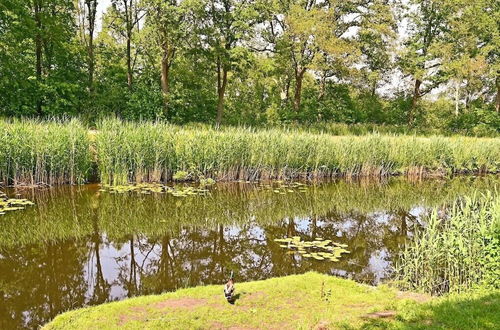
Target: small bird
(229,288)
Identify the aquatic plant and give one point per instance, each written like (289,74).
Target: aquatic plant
(12,204)
(318,249)
(50,152)
(455,251)
(153,152)
(282,187)
(148,188)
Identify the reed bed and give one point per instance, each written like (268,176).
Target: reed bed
(455,251)
(149,152)
(36,153)
(54,152)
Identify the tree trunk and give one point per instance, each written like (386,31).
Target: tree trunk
(38,54)
(322,90)
(457,98)
(165,87)
(299,76)
(221,89)
(129,26)
(91,8)
(91,62)
(129,60)
(414,101)
(497,99)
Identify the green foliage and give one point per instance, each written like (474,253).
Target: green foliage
(455,252)
(152,152)
(12,204)
(180,176)
(36,152)
(260,62)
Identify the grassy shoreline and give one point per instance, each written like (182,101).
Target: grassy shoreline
(35,152)
(305,301)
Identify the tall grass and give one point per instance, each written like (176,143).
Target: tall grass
(457,251)
(54,152)
(34,152)
(155,151)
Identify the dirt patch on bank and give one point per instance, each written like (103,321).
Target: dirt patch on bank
(381,315)
(252,296)
(137,313)
(184,303)
(220,326)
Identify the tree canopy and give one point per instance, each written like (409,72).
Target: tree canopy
(428,63)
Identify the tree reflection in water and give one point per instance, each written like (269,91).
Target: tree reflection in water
(79,246)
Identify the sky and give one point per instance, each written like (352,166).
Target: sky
(101,8)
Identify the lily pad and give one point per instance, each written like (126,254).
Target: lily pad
(318,249)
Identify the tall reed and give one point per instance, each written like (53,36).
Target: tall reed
(34,152)
(155,151)
(457,251)
(53,152)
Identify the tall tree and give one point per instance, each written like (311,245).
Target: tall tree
(167,24)
(317,35)
(376,36)
(87,19)
(470,50)
(428,22)
(127,15)
(224,26)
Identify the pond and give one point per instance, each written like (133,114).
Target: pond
(81,246)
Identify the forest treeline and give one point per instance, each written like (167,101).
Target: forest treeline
(423,63)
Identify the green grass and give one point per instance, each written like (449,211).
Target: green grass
(473,310)
(43,152)
(52,152)
(292,302)
(457,251)
(136,152)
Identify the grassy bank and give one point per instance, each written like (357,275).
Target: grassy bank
(152,152)
(50,152)
(53,152)
(300,301)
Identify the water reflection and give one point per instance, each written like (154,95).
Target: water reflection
(79,246)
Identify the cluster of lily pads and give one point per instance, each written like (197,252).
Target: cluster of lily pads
(12,204)
(319,249)
(283,187)
(149,188)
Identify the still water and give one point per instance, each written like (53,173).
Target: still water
(80,246)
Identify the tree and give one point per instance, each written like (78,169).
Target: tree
(317,35)
(39,71)
(223,26)
(428,22)
(126,16)
(167,24)
(375,37)
(470,50)
(87,19)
